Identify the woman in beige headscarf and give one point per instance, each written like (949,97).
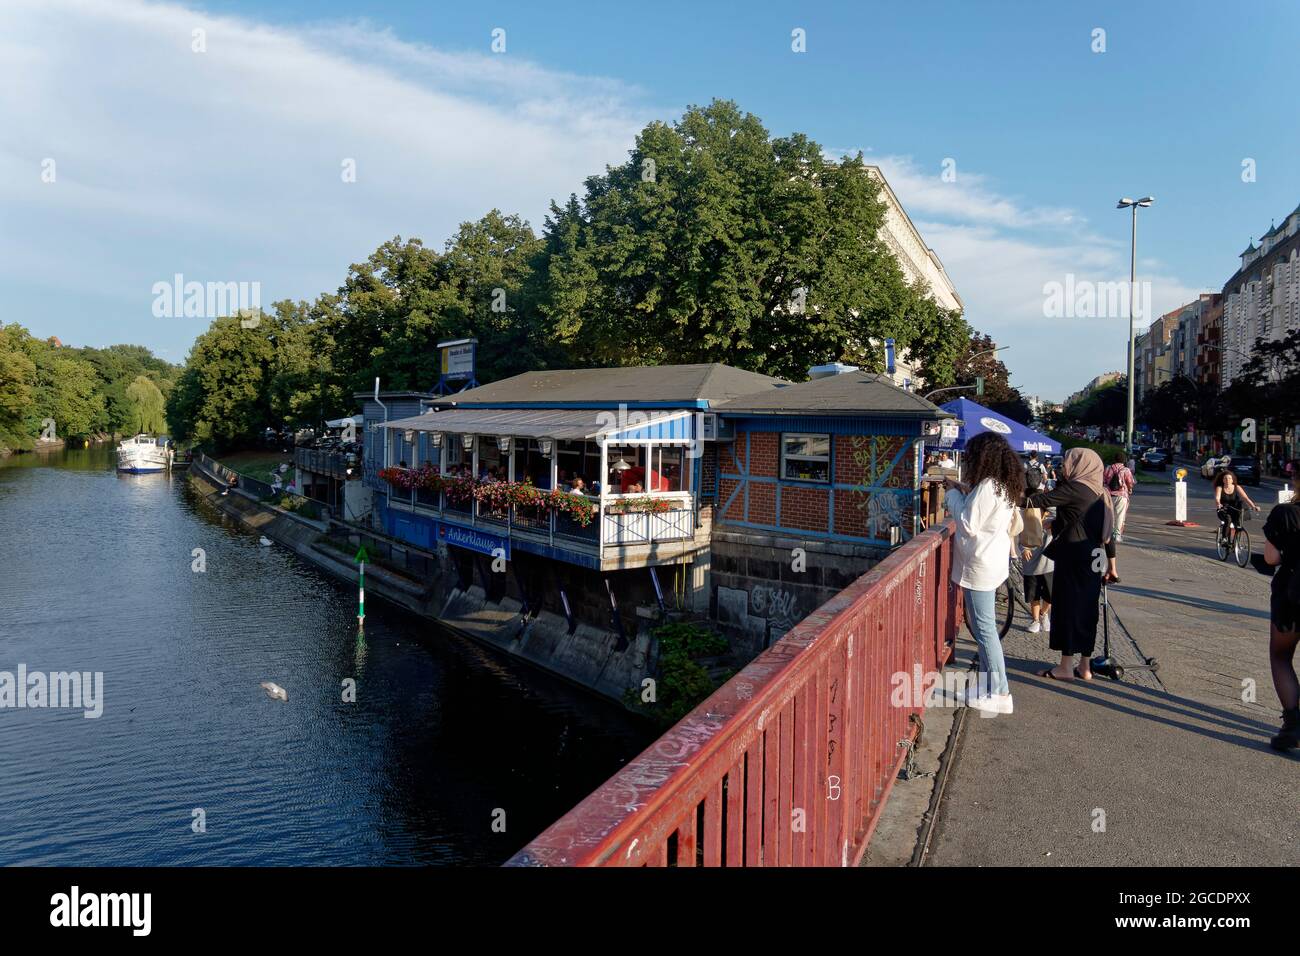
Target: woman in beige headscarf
(1080,533)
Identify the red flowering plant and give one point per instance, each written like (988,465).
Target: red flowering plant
(495,496)
(643,505)
(579,508)
(398,477)
(460,489)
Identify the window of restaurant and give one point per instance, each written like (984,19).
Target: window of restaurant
(578,459)
(806,457)
(490,462)
(648,468)
(457,457)
(530,464)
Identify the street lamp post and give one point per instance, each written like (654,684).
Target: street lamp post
(1133,204)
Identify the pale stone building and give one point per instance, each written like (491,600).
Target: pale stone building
(918,262)
(1262,299)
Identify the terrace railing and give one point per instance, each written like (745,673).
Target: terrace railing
(674,521)
(790,762)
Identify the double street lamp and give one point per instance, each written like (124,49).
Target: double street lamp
(958,388)
(1133,204)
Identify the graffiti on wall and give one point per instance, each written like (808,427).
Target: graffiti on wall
(884,492)
(779,606)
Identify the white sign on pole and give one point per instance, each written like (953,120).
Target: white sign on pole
(1180,500)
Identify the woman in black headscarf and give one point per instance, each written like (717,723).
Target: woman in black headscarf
(1080,531)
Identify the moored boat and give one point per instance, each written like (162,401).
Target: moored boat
(143,454)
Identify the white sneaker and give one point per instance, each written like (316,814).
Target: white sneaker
(987,706)
(1034,627)
(1047,623)
(1003,703)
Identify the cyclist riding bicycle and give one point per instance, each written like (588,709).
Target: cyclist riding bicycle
(1231,501)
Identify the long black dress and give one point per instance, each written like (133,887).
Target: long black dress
(1082,525)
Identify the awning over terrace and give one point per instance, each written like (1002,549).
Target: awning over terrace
(562,424)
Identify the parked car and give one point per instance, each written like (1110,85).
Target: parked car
(1155,460)
(1247,469)
(1212,465)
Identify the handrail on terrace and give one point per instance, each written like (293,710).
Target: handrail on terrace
(790,762)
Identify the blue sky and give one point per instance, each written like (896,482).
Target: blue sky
(224,165)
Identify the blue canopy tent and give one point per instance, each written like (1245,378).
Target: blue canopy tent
(976,419)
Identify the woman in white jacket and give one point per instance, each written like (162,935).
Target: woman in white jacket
(985,507)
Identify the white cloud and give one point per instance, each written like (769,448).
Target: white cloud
(226,165)
(1000,254)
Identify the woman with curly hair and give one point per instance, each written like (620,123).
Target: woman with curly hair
(1081,538)
(985,506)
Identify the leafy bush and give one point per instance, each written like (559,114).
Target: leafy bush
(682,681)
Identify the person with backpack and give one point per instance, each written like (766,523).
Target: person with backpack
(1282,551)
(1119,485)
(1035,474)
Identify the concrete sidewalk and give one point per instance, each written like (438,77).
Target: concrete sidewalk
(1171,769)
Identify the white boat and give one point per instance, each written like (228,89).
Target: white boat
(144,453)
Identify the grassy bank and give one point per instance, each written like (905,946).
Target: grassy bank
(258,464)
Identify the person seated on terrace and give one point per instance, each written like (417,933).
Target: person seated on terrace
(633,489)
(402,464)
(636,475)
(578,487)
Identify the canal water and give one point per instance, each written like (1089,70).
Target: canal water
(445,745)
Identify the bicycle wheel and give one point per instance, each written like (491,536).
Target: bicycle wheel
(1011,592)
(1221,544)
(1241,548)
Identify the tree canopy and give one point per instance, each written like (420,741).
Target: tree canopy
(83,390)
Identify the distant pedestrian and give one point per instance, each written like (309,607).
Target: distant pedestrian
(1119,482)
(985,508)
(1080,532)
(1035,474)
(1282,550)
(1037,568)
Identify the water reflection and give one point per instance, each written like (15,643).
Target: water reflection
(96,574)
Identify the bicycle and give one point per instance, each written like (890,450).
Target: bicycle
(1237,544)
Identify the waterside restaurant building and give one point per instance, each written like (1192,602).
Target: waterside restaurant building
(612,496)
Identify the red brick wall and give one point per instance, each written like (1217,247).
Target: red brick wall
(805,508)
(762,502)
(708,471)
(764,454)
(864,460)
(859,460)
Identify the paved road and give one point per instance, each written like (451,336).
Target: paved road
(1177,766)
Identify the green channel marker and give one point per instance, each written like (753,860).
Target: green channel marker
(361,559)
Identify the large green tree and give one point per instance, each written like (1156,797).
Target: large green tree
(146,404)
(716,242)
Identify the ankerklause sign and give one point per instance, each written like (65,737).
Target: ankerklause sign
(474,540)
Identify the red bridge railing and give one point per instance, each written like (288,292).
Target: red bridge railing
(790,762)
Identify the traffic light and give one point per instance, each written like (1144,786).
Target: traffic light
(979,385)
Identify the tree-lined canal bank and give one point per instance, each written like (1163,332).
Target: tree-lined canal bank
(443,740)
